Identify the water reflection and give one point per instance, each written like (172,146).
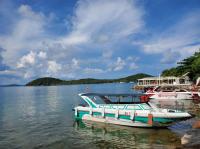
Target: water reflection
(113,136)
(52,98)
(42,117)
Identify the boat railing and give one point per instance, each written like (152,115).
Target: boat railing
(103,111)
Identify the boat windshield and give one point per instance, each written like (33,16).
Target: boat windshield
(115,99)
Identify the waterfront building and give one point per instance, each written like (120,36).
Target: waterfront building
(164,81)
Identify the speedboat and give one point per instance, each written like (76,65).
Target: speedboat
(127,110)
(166,93)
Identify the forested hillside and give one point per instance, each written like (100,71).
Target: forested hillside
(190,64)
(47,81)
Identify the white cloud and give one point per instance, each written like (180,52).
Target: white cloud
(42,55)
(93,70)
(53,67)
(102,39)
(28,32)
(28,59)
(31,59)
(132,58)
(182,38)
(97,27)
(170,57)
(27,75)
(75,63)
(75,38)
(101,20)
(131,62)
(10,73)
(119,65)
(37,52)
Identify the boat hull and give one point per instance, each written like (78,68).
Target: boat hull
(170,96)
(138,120)
(115,121)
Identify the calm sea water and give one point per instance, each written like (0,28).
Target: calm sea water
(42,117)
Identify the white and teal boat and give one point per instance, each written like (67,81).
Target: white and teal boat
(126,109)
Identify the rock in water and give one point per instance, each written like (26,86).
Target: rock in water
(191,138)
(185,139)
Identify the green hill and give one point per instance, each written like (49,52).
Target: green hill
(48,81)
(190,64)
(133,78)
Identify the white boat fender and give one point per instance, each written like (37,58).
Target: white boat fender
(90,112)
(103,112)
(132,116)
(76,111)
(116,113)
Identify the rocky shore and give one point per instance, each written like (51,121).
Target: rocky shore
(191,139)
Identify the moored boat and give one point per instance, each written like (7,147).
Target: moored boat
(126,109)
(169,93)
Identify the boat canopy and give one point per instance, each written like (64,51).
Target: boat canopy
(105,98)
(114,95)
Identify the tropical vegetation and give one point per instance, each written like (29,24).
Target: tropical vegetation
(190,65)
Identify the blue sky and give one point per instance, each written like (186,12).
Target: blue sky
(99,39)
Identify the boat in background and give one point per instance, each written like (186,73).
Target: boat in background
(127,110)
(171,93)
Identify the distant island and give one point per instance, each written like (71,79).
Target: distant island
(49,81)
(11,85)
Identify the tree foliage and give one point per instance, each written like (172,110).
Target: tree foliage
(190,64)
